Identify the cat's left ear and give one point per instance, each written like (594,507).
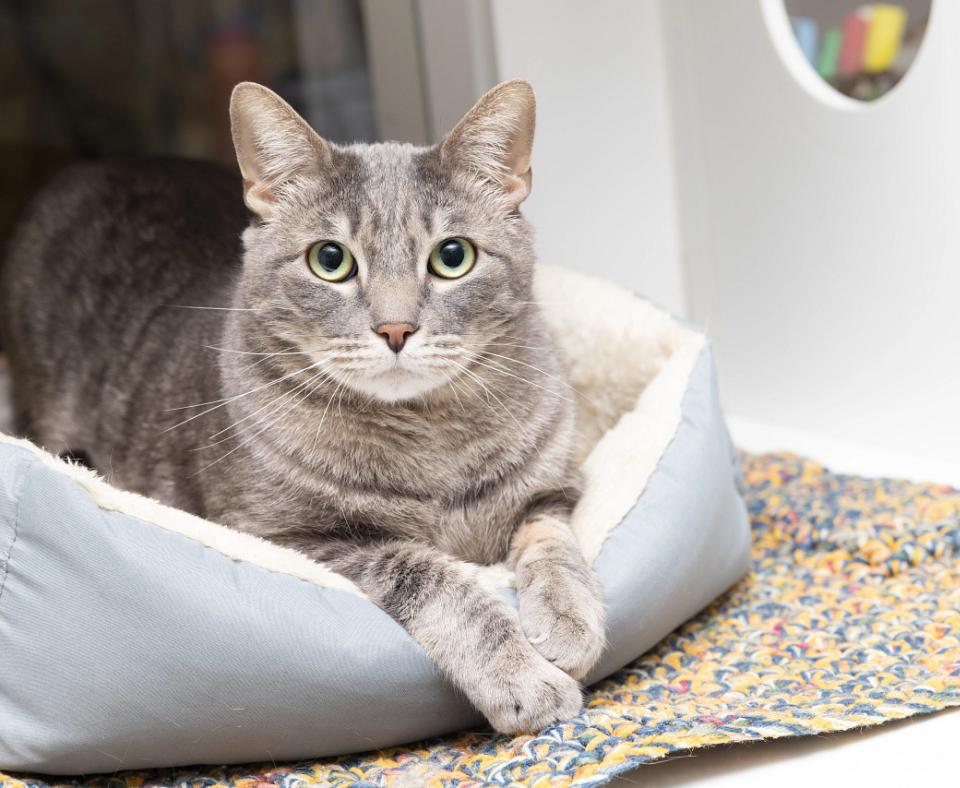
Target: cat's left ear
(274,145)
(495,139)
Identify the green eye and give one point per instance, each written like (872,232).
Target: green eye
(452,258)
(330,261)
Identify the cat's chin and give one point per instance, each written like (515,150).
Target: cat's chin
(395,385)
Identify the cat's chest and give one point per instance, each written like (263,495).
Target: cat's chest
(452,486)
(450,482)
(440,459)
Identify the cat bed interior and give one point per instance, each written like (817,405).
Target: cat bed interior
(135,635)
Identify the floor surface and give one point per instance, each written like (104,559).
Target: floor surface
(920,751)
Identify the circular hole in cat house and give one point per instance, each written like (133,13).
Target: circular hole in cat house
(861,50)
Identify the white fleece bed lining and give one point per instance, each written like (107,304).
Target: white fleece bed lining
(630,364)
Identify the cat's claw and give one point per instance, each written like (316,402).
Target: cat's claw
(572,639)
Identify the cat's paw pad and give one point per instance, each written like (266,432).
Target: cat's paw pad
(571,639)
(530,697)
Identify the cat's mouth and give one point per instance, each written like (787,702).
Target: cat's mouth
(397,380)
(388,376)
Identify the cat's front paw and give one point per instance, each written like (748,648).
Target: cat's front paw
(528,697)
(566,628)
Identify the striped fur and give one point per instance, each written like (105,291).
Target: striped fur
(225,379)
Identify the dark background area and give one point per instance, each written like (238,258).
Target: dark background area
(85,79)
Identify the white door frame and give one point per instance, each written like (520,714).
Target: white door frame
(430,60)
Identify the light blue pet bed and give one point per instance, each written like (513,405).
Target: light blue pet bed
(133,635)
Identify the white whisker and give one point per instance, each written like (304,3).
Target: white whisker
(451,381)
(211,308)
(326,409)
(506,410)
(486,388)
(512,344)
(511,414)
(558,379)
(255,353)
(260,431)
(499,368)
(220,403)
(300,386)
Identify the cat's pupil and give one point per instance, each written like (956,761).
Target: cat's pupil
(452,254)
(330,257)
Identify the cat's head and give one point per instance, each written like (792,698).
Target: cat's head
(390,265)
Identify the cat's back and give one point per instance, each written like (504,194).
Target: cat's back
(101,254)
(110,223)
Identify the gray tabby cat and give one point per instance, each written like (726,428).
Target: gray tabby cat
(367,380)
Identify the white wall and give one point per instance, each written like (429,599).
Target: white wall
(603,188)
(822,235)
(819,237)
(458,57)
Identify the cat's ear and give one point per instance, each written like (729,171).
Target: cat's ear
(274,145)
(495,139)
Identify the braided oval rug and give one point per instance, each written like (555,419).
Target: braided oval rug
(850,617)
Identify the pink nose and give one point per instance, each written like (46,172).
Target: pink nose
(395,334)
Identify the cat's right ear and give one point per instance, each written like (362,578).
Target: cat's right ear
(274,145)
(494,140)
